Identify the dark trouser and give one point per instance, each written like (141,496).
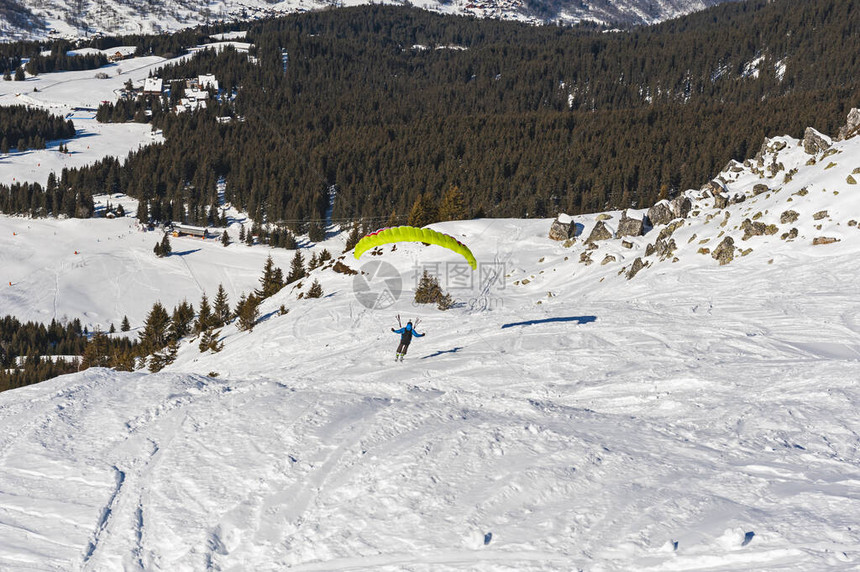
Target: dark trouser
(401,349)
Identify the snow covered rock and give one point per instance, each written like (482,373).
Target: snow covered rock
(599,232)
(814,142)
(629,226)
(661,213)
(725,251)
(562,228)
(852,127)
(680,206)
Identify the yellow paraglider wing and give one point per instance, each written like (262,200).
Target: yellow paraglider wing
(413,234)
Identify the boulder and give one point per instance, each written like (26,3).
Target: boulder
(815,142)
(713,187)
(759,189)
(680,206)
(562,230)
(720,201)
(751,229)
(599,232)
(725,251)
(788,217)
(628,226)
(661,213)
(635,268)
(852,127)
(824,240)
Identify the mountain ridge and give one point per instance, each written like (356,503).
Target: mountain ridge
(46,19)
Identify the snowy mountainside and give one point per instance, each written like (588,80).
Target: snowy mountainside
(31,19)
(694,416)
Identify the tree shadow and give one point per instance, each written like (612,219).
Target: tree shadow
(577,319)
(184,252)
(440,352)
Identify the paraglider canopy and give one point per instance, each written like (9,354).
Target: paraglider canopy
(413,234)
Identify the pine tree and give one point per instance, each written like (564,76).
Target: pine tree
(429,292)
(242,233)
(96,352)
(247,312)
(154,334)
(225,238)
(112,329)
(315,290)
(453,205)
(423,211)
(166,249)
(271,281)
(209,341)
(297,268)
(249,238)
(205,319)
(125,326)
(180,323)
(221,308)
(353,238)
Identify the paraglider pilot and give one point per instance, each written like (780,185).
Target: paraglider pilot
(406,334)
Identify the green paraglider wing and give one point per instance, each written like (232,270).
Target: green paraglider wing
(413,234)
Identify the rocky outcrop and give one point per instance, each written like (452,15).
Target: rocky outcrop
(725,251)
(680,206)
(599,232)
(751,229)
(788,217)
(824,240)
(628,226)
(815,142)
(759,189)
(660,213)
(635,268)
(852,127)
(561,230)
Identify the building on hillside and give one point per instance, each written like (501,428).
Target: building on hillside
(120,53)
(153,86)
(178,230)
(207,81)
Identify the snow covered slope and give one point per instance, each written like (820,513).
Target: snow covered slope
(694,417)
(39,19)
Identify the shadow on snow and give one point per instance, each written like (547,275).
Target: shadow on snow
(577,319)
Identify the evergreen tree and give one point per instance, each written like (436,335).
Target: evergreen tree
(209,341)
(315,290)
(180,323)
(247,312)
(297,268)
(125,326)
(96,352)
(155,328)
(353,238)
(429,292)
(316,232)
(205,319)
(225,238)
(423,211)
(163,248)
(221,307)
(271,281)
(242,233)
(453,205)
